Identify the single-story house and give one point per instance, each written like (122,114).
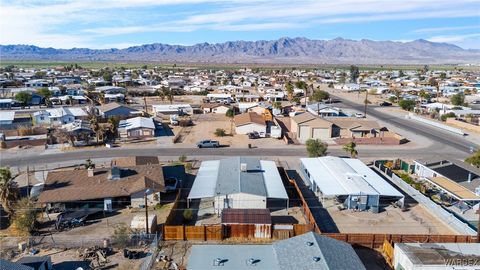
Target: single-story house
(59,116)
(323,110)
(169,109)
(137,127)
(238,182)
(438,256)
(219,108)
(36,262)
(116,109)
(308,251)
(104,188)
(110,90)
(306,126)
(352,127)
(461,182)
(6,118)
(350,181)
(249,122)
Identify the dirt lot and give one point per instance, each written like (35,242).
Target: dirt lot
(417,220)
(206,124)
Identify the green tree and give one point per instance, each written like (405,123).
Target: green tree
(316,148)
(25,216)
(23,97)
(44,92)
(457,99)
(351,149)
(407,104)
(474,159)
(95,126)
(220,132)
(354,73)
(107,76)
(187,214)
(182,158)
(277,105)
(289,90)
(320,95)
(8,191)
(230,114)
(401,74)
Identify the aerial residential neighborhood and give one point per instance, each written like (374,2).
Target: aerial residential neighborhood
(236,143)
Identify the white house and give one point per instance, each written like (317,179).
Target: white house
(137,127)
(179,109)
(59,116)
(238,182)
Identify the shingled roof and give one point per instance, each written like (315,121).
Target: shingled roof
(67,186)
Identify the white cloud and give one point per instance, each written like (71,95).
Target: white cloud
(444,29)
(45,23)
(453,38)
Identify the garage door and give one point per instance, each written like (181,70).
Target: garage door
(304,133)
(321,133)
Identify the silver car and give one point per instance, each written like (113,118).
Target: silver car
(208,144)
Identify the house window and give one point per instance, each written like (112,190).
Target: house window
(42,118)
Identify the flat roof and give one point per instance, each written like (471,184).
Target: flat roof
(346,176)
(459,191)
(235,257)
(439,253)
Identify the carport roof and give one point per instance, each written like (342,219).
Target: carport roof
(346,176)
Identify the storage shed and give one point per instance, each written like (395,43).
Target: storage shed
(258,221)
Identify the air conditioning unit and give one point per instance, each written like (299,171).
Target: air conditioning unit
(477,191)
(243,167)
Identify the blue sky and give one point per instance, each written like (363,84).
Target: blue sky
(124,23)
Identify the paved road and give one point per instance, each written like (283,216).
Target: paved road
(442,137)
(36,159)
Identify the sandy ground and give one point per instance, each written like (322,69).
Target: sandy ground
(206,124)
(417,220)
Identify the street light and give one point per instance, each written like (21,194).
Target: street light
(146,210)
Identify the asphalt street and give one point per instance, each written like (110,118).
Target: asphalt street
(444,138)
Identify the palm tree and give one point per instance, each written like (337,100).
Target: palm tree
(230,114)
(350,148)
(8,191)
(95,126)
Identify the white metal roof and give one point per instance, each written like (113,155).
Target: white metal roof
(206,180)
(273,180)
(345,176)
(137,122)
(211,180)
(7,116)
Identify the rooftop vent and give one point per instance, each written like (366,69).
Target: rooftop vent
(219,262)
(243,167)
(252,261)
(309,244)
(316,259)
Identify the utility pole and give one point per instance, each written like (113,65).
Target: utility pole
(478,225)
(28,181)
(146,214)
(366,103)
(145,102)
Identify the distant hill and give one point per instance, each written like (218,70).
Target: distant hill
(283,50)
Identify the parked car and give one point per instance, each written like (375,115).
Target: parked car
(253,135)
(208,144)
(359,115)
(384,104)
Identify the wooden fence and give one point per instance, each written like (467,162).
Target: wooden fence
(237,231)
(306,210)
(377,240)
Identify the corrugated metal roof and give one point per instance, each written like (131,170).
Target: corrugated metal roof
(246,216)
(222,177)
(137,122)
(345,176)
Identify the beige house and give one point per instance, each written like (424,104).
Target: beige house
(308,126)
(249,122)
